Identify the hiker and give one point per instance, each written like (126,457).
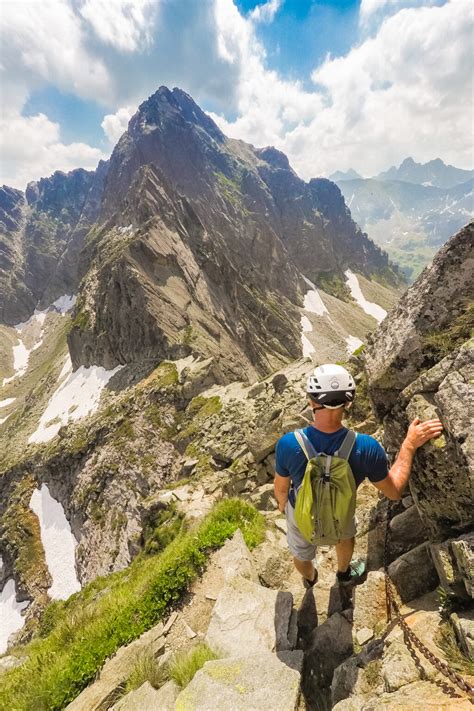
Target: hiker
(323,516)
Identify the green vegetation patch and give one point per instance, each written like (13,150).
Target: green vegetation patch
(333,284)
(184,666)
(438,344)
(447,642)
(81,633)
(146,669)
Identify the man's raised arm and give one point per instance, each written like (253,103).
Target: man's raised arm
(418,434)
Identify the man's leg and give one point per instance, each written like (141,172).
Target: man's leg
(344,551)
(305,568)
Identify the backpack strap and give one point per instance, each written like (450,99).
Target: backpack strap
(344,451)
(305,444)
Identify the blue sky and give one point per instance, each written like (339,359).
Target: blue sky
(334,84)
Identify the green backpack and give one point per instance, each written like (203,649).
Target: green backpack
(326,499)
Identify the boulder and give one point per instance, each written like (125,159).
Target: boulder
(329,645)
(234,558)
(463,550)
(463,623)
(11,662)
(407,531)
(370,606)
(263,681)
(398,667)
(414,573)
(146,697)
(264,498)
(263,442)
(249,616)
(350,678)
(448,572)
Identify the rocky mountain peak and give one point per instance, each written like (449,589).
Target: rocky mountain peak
(167,106)
(274,157)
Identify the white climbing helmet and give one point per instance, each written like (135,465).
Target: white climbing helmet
(331,386)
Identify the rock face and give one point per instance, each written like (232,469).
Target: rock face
(420,364)
(200,247)
(264,681)
(41,234)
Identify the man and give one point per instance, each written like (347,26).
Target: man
(330,389)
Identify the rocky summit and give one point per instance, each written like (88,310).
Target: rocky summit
(159,317)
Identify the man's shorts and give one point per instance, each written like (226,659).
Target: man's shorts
(298,544)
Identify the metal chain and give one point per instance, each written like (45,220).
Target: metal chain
(393,607)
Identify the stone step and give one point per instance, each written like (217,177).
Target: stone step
(264,681)
(249,616)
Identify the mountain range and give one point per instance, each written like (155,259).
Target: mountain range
(411,210)
(184,241)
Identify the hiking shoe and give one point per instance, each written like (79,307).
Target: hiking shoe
(308,584)
(354,574)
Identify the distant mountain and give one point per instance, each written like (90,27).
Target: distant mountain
(41,233)
(435,173)
(340,175)
(408,220)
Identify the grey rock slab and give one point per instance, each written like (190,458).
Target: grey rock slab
(101,694)
(249,616)
(255,682)
(146,698)
(407,531)
(329,645)
(463,550)
(414,573)
(11,662)
(370,606)
(234,558)
(398,667)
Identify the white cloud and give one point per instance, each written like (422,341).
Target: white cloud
(31,148)
(265,12)
(404,91)
(44,41)
(115,124)
(369,9)
(125,24)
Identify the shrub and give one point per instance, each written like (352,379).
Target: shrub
(184,666)
(116,609)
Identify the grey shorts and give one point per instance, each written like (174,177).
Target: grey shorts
(297,544)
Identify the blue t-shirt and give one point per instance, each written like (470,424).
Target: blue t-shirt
(367,458)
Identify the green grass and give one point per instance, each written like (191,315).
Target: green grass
(333,284)
(148,669)
(184,666)
(440,343)
(114,610)
(447,642)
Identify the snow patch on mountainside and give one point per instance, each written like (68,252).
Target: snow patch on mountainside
(77,396)
(312,300)
(11,619)
(58,542)
(353,343)
(368,306)
(64,303)
(33,329)
(8,401)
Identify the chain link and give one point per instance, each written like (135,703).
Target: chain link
(393,607)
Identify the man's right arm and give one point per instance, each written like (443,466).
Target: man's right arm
(418,434)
